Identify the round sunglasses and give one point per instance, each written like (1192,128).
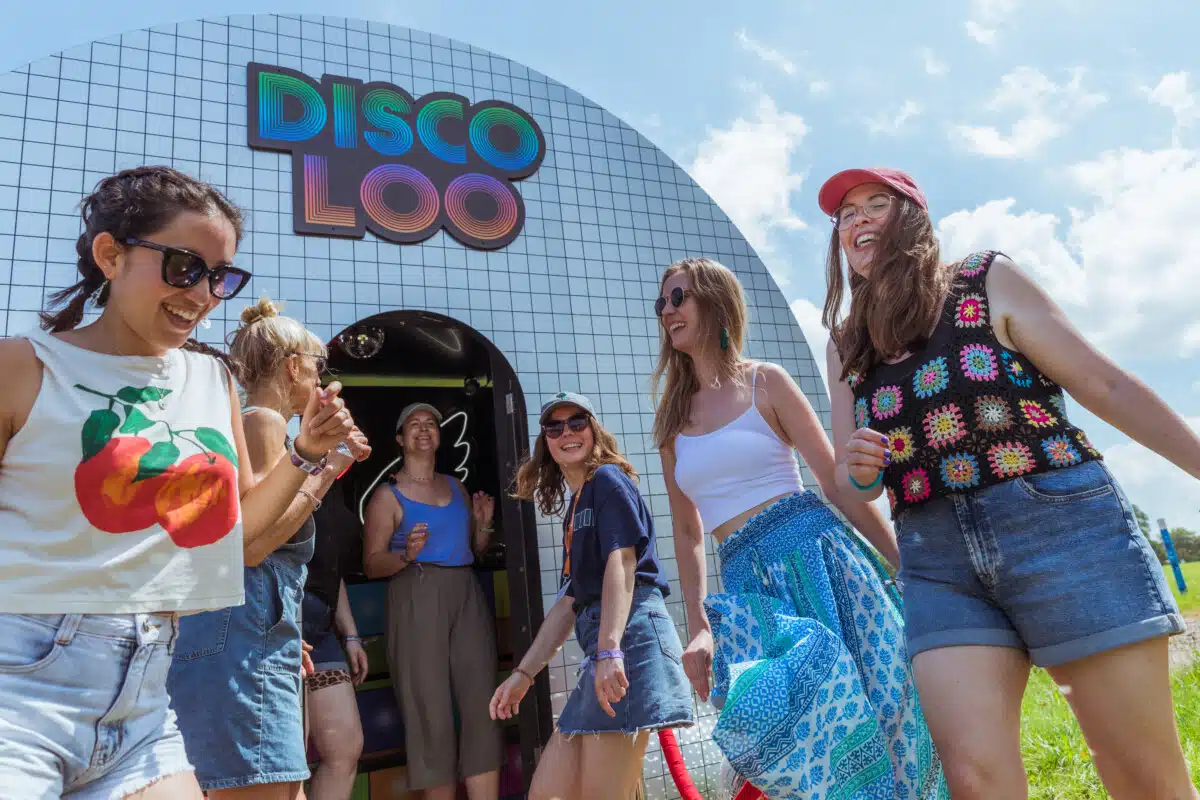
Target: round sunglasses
(678,295)
(183,269)
(555,429)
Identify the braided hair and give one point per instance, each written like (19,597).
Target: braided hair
(133,203)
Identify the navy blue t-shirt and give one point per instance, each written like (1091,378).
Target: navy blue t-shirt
(609,514)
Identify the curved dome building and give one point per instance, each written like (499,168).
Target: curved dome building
(458,226)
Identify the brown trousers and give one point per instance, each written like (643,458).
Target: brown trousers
(441,647)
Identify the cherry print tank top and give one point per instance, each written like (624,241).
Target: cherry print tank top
(965,412)
(119,494)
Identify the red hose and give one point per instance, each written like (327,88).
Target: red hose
(674,759)
(683,781)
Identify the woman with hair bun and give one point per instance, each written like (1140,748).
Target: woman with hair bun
(237,675)
(125,492)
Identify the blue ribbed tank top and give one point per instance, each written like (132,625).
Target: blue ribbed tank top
(449,540)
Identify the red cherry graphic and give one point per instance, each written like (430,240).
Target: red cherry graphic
(197,501)
(107,493)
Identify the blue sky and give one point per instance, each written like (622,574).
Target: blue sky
(1064,132)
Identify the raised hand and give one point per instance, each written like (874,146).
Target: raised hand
(484,508)
(324,423)
(415,541)
(360,448)
(867,453)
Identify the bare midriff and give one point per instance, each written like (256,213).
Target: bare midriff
(725,528)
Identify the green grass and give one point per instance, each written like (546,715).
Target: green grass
(1188,603)
(1055,754)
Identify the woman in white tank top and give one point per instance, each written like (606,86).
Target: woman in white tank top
(806,643)
(125,492)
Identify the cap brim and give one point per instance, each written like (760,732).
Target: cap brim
(834,190)
(557,404)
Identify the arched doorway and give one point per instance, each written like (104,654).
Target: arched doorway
(384,363)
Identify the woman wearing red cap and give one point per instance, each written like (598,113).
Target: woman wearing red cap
(1016,544)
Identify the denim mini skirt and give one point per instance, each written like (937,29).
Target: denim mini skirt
(235,680)
(659,694)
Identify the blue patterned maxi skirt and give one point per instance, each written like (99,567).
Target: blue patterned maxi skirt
(811,672)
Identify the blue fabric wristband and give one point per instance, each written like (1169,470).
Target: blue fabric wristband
(604,655)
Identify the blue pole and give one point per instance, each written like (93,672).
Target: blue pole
(1172,556)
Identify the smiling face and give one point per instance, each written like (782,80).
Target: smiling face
(860,239)
(161,316)
(681,323)
(572,448)
(420,433)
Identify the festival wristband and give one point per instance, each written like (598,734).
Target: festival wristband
(869,486)
(353,639)
(605,655)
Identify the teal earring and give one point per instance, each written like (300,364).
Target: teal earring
(724,339)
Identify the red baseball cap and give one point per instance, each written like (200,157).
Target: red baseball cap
(835,189)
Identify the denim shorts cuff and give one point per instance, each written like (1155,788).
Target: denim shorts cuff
(1056,655)
(685,722)
(966,637)
(255,780)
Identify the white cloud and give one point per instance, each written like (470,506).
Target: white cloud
(1191,339)
(1156,485)
(1124,268)
(767,54)
(747,170)
(986,17)
(819,86)
(891,125)
(1044,111)
(933,65)
(1172,93)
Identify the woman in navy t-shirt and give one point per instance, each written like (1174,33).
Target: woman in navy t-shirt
(631,681)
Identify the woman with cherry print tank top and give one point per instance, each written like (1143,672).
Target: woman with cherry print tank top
(124,493)
(1016,544)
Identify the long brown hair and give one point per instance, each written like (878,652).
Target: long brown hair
(722,304)
(895,310)
(539,477)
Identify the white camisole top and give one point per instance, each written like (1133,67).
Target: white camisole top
(736,467)
(119,495)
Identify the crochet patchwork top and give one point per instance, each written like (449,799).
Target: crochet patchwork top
(965,412)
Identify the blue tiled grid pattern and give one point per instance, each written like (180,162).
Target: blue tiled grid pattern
(568,302)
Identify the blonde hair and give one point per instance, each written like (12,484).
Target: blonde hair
(265,340)
(539,478)
(722,303)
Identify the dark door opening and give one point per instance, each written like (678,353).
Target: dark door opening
(386,362)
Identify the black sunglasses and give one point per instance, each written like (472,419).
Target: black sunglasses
(555,429)
(678,295)
(183,269)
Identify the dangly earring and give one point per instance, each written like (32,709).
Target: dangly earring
(206,323)
(94,297)
(724,339)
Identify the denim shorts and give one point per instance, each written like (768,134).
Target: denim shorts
(317,624)
(1051,563)
(84,711)
(659,694)
(236,682)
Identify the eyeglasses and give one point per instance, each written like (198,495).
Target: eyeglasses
(555,429)
(183,269)
(678,295)
(876,206)
(320,361)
